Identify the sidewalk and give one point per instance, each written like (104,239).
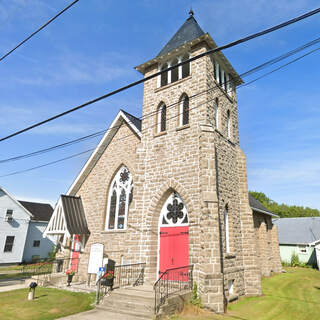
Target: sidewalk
(12,285)
(98,314)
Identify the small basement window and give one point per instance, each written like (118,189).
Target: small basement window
(9,244)
(36,243)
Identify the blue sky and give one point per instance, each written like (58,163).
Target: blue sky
(92,49)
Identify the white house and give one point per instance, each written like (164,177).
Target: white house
(21,226)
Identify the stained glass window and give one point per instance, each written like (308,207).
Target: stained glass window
(119,199)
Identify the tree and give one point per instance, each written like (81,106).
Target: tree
(284,210)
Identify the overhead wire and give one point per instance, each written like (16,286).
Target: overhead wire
(38,30)
(154,125)
(245,74)
(132,84)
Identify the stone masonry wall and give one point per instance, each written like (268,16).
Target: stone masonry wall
(94,194)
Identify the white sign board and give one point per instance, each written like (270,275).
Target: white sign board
(95,258)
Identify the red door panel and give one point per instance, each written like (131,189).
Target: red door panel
(174,250)
(75,253)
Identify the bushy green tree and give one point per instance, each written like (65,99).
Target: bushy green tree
(284,210)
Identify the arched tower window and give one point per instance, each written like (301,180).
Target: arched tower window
(228,124)
(119,199)
(226,228)
(164,75)
(174,72)
(185,67)
(162,118)
(184,110)
(174,212)
(217,112)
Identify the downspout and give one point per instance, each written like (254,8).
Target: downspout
(225,300)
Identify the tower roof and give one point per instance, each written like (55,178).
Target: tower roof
(188,31)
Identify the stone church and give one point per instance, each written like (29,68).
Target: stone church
(171,190)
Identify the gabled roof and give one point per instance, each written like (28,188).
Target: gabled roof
(188,31)
(17,202)
(40,211)
(133,122)
(304,230)
(68,218)
(258,207)
(74,215)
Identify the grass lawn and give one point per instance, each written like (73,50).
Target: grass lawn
(49,304)
(294,295)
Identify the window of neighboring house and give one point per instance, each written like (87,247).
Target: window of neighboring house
(228,124)
(217,112)
(9,244)
(9,215)
(184,110)
(119,199)
(162,118)
(36,243)
(302,249)
(226,227)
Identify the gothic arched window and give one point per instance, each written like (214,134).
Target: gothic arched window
(174,212)
(162,118)
(119,199)
(184,110)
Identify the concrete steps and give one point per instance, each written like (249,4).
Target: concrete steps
(130,302)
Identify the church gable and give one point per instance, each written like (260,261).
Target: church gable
(114,135)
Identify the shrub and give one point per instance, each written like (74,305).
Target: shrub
(195,299)
(295,262)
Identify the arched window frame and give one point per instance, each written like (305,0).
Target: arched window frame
(122,182)
(226,228)
(184,110)
(229,124)
(162,118)
(217,109)
(167,221)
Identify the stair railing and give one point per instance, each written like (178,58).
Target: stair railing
(171,282)
(124,275)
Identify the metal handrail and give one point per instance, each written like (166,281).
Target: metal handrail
(124,275)
(172,281)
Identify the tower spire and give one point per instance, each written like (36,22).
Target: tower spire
(191,13)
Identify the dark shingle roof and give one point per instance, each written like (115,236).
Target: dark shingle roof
(134,120)
(255,204)
(188,31)
(298,230)
(74,215)
(40,211)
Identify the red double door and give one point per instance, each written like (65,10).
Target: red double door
(174,251)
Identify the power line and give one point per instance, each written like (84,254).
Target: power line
(38,30)
(154,125)
(247,73)
(132,84)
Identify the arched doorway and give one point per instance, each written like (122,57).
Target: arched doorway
(173,234)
